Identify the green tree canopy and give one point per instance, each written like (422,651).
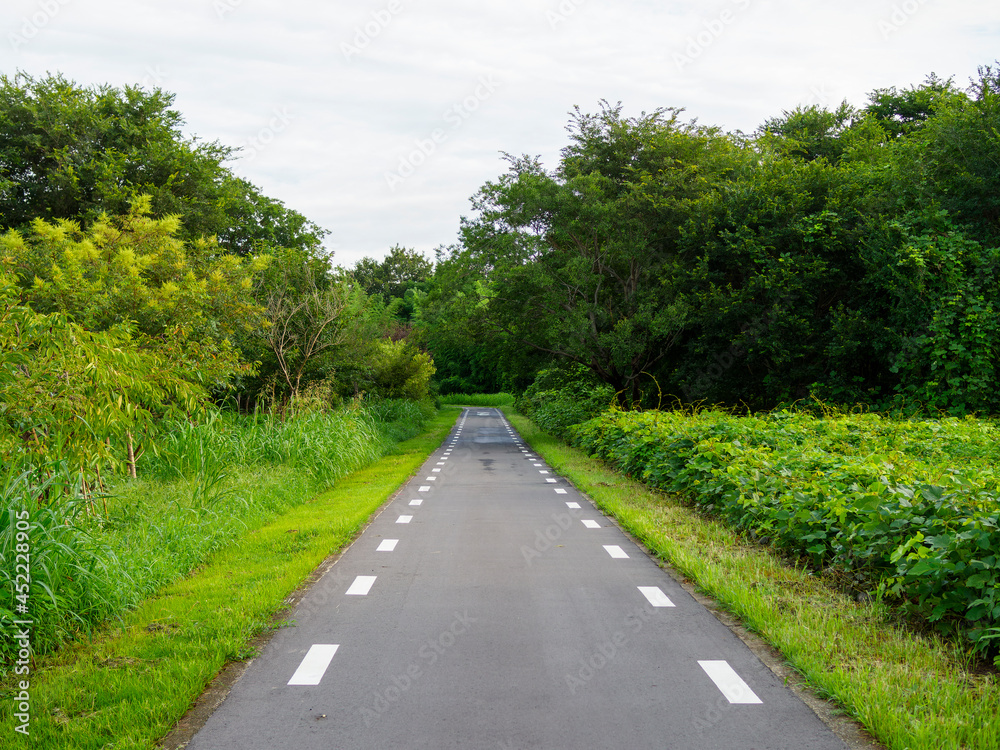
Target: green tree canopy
(71,152)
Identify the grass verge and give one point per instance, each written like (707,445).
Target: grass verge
(130,685)
(912,692)
(478,399)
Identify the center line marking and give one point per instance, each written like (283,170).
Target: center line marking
(314,664)
(361,586)
(591,524)
(387,545)
(430,479)
(730,683)
(425,488)
(655,596)
(416,502)
(560,491)
(616,552)
(404,519)
(550,479)
(543,471)
(572,505)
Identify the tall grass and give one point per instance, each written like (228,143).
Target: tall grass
(74,580)
(478,399)
(201,489)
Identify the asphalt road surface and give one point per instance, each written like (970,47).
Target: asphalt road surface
(489,605)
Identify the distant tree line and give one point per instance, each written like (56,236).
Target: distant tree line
(847,254)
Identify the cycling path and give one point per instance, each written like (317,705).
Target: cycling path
(489,605)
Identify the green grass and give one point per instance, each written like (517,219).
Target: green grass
(912,691)
(478,399)
(127,687)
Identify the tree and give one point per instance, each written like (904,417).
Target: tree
(584,263)
(399,279)
(809,133)
(307,324)
(84,397)
(187,301)
(69,152)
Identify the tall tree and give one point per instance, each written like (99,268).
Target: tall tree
(71,152)
(584,263)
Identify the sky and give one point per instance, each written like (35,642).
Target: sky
(380,119)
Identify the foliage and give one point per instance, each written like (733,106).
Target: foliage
(565,396)
(205,487)
(85,398)
(400,370)
(583,262)
(186,301)
(69,152)
(849,253)
(881,503)
(399,279)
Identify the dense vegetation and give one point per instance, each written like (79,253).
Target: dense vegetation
(906,511)
(848,254)
(180,360)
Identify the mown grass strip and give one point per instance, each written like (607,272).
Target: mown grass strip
(478,399)
(131,684)
(912,692)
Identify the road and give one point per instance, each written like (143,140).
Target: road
(490,605)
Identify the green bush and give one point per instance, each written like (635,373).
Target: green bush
(902,509)
(565,396)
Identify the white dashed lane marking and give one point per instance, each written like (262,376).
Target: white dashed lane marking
(655,596)
(314,664)
(387,545)
(425,488)
(561,491)
(729,683)
(591,524)
(616,552)
(416,502)
(572,505)
(361,586)
(404,519)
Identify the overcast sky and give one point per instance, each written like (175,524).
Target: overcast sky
(379,119)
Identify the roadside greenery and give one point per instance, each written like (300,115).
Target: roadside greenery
(478,399)
(904,511)
(132,682)
(94,557)
(849,254)
(910,689)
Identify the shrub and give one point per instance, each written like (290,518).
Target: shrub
(904,509)
(565,396)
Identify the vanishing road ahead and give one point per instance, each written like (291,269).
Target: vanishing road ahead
(489,605)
